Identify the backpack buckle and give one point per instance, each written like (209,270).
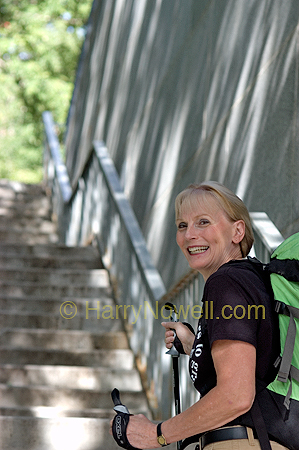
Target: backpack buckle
(281,308)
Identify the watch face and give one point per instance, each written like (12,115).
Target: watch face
(161,440)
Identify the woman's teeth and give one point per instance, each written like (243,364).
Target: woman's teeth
(195,250)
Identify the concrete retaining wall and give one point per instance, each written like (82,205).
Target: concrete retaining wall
(188,90)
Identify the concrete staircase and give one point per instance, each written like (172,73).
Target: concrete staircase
(62,350)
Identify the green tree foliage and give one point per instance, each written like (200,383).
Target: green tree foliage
(40,44)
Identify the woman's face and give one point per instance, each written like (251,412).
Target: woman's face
(206,236)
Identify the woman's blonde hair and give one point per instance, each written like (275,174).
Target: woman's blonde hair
(230,203)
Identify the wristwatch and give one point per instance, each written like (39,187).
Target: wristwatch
(160,438)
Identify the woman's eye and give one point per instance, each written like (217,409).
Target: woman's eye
(203,222)
(182,225)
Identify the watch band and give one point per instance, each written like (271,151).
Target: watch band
(160,438)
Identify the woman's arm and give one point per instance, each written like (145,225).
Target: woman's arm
(233,395)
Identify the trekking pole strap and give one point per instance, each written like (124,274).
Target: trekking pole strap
(120,422)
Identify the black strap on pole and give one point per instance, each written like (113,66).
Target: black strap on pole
(175,368)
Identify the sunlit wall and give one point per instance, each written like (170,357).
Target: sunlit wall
(188,90)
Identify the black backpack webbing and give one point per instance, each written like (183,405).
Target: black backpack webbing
(259,425)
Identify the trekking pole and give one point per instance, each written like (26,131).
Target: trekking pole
(175,366)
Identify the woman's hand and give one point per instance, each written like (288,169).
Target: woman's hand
(184,334)
(233,395)
(141,432)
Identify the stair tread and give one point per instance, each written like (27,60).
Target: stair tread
(48,412)
(78,351)
(63,339)
(55,322)
(64,368)
(14,262)
(58,277)
(35,289)
(83,378)
(63,333)
(66,398)
(42,249)
(91,316)
(93,358)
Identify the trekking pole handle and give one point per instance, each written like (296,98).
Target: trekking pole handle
(173,318)
(118,406)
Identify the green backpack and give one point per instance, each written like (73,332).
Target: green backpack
(283,270)
(284,276)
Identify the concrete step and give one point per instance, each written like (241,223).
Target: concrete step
(35,196)
(58,277)
(22,202)
(91,323)
(67,340)
(36,289)
(63,262)
(116,358)
(21,250)
(66,398)
(10,189)
(96,378)
(85,307)
(15,212)
(14,235)
(55,412)
(33,224)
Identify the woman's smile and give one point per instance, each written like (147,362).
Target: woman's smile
(197,250)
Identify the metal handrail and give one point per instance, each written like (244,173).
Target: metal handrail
(151,275)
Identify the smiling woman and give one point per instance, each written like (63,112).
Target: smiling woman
(231,351)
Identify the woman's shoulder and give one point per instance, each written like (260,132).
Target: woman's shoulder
(239,272)
(239,267)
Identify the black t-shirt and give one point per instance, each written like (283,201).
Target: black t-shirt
(236,306)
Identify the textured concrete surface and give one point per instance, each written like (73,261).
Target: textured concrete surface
(186,90)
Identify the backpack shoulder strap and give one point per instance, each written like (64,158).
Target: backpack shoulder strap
(288,268)
(286,360)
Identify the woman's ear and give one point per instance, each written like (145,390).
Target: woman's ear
(239,231)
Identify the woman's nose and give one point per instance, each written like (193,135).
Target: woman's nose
(190,233)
